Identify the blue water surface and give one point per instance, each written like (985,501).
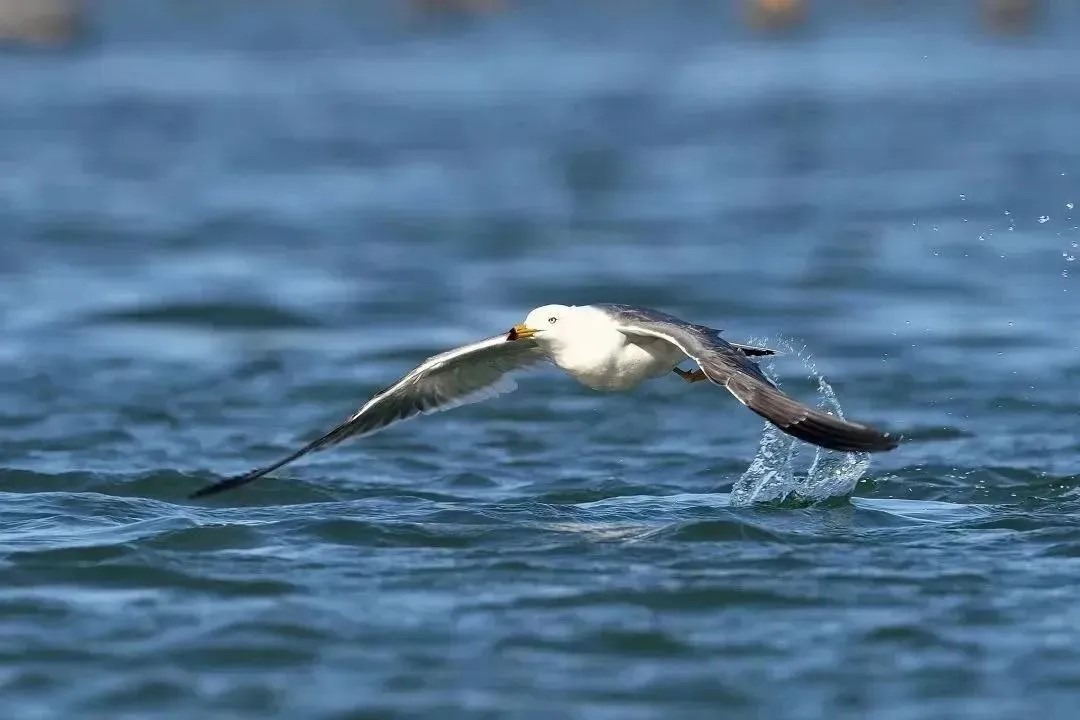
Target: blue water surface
(223,226)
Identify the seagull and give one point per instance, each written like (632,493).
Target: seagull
(607,347)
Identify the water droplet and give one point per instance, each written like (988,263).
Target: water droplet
(963,197)
(1043,219)
(1068,206)
(1010,323)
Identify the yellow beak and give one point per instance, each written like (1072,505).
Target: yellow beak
(520,332)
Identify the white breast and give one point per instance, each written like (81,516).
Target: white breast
(603,358)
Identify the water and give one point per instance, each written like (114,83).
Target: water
(223,230)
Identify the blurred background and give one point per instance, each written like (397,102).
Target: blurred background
(224,224)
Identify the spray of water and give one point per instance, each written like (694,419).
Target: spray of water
(774,475)
(1070,254)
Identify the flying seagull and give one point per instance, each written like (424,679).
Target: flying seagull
(605,347)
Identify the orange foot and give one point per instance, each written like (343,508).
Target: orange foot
(690,376)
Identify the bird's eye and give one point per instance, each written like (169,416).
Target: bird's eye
(553,320)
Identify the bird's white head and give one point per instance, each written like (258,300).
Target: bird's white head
(544,324)
(556,327)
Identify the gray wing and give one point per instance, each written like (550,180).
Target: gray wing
(464,375)
(727,365)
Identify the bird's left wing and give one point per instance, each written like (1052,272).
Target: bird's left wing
(464,375)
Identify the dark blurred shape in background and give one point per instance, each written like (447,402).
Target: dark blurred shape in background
(58,22)
(39,22)
(453,6)
(775,14)
(1009,16)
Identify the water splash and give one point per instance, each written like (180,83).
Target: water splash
(1070,257)
(773,476)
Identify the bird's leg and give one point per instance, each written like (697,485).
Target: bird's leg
(690,376)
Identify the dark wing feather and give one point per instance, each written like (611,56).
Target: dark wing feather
(753,350)
(465,375)
(727,365)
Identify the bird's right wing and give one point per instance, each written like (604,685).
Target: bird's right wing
(464,375)
(728,366)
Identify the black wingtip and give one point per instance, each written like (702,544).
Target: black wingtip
(252,475)
(807,424)
(756,351)
(832,433)
(219,487)
(202,492)
(238,480)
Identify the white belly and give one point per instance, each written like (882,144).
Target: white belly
(629,366)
